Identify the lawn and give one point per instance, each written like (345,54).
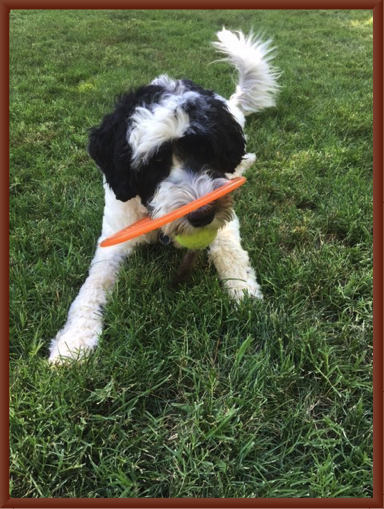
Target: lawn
(187,394)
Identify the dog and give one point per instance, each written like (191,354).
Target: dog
(165,145)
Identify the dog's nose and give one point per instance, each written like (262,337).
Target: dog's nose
(201,217)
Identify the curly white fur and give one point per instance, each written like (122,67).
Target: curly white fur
(257,85)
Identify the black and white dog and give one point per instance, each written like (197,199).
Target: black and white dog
(165,145)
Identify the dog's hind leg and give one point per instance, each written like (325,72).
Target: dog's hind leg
(232,263)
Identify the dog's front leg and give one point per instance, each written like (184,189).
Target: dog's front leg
(84,323)
(232,263)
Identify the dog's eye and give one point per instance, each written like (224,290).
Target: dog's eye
(163,154)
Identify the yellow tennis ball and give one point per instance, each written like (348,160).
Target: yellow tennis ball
(198,240)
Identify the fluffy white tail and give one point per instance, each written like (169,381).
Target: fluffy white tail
(257,85)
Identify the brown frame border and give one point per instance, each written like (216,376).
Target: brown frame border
(377,500)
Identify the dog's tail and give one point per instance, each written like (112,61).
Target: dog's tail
(257,84)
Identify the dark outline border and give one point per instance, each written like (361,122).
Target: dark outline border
(4,252)
(377,500)
(188,4)
(378,490)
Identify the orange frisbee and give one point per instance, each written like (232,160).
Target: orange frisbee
(147,224)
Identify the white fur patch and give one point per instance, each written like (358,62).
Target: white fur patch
(257,77)
(176,87)
(158,123)
(165,81)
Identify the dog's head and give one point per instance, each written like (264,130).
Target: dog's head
(170,143)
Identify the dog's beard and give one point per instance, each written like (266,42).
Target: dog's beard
(181,188)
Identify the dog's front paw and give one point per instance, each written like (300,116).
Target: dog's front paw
(71,345)
(239,292)
(239,288)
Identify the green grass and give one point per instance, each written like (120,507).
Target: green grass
(187,394)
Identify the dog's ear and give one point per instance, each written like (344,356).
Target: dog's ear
(231,148)
(229,140)
(214,133)
(109,148)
